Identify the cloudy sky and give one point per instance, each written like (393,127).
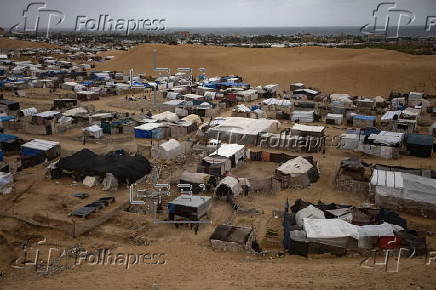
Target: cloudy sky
(223,13)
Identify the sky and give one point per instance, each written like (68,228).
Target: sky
(223,13)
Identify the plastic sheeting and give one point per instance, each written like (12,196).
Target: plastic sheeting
(404,186)
(310,212)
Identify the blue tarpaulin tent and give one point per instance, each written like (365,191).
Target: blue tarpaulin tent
(362,117)
(6,118)
(7,137)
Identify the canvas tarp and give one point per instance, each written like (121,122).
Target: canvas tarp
(295,167)
(336,119)
(228,186)
(303,116)
(404,186)
(310,212)
(127,169)
(241,130)
(95,131)
(170,149)
(332,232)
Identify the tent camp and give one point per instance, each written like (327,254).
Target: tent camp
(410,192)
(297,172)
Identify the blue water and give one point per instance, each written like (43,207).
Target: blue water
(413,31)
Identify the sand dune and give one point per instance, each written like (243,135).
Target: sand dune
(368,72)
(16,44)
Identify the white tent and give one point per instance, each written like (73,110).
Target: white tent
(335,119)
(166,116)
(241,130)
(170,149)
(398,186)
(95,131)
(308,212)
(303,116)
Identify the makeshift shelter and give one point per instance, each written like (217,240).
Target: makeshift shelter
(127,169)
(234,152)
(433,129)
(334,119)
(216,165)
(233,238)
(150,131)
(297,172)
(9,106)
(340,102)
(304,130)
(60,104)
(393,121)
(27,112)
(166,117)
(10,143)
(228,187)
(198,181)
(6,182)
(86,96)
(353,176)
(308,93)
(303,116)
(409,192)
(189,207)
(169,150)
(247,96)
(241,130)
(361,121)
(195,119)
(366,104)
(37,151)
(420,145)
(94,131)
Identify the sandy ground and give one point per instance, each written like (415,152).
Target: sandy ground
(190,262)
(366,72)
(15,44)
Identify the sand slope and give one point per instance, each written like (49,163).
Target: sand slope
(16,44)
(367,72)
